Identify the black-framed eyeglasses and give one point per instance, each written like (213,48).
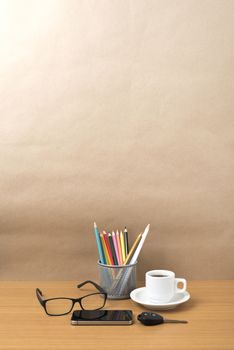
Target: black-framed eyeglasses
(62,306)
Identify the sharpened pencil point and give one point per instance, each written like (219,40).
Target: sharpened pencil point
(147,227)
(95,225)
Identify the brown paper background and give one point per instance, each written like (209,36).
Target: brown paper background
(119,112)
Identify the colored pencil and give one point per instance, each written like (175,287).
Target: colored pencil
(133,249)
(140,245)
(108,248)
(126,241)
(122,245)
(99,245)
(116,247)
(112,249)
(119,247)
(107,261)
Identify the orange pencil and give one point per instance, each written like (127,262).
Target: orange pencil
(105,249)
(108,248)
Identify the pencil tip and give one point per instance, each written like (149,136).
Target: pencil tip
(146,230)
(94,224)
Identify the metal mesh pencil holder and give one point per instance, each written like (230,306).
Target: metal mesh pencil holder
(117,280)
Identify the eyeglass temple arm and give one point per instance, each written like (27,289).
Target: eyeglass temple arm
(93,283)
(40,296)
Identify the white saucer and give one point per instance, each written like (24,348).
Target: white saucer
(140,296)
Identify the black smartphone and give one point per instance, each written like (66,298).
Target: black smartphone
(102,317)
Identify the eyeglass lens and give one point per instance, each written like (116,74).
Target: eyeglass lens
(58,306)
(93,302)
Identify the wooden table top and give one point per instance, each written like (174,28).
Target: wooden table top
(24,325)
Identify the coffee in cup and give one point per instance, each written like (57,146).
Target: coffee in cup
(162,285)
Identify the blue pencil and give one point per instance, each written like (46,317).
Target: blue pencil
(99,245)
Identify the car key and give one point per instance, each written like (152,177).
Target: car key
(151,318)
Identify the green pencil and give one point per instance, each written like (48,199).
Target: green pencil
(126,241)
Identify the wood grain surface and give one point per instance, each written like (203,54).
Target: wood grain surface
(24,325)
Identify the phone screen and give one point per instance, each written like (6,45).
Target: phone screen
(101,316)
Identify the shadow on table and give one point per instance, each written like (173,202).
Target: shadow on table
(189,305)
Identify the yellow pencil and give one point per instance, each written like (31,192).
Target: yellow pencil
(122,246)
(132,251)
(105,249)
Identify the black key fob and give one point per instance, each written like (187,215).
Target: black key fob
(150,318)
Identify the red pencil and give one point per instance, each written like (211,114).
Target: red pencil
(108,247)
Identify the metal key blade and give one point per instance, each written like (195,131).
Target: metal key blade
(165,320)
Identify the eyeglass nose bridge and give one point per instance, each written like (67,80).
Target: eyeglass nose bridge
(75,301)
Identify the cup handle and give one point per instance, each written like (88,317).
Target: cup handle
(182,280)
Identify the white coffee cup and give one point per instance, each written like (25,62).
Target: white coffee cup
(162,285)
